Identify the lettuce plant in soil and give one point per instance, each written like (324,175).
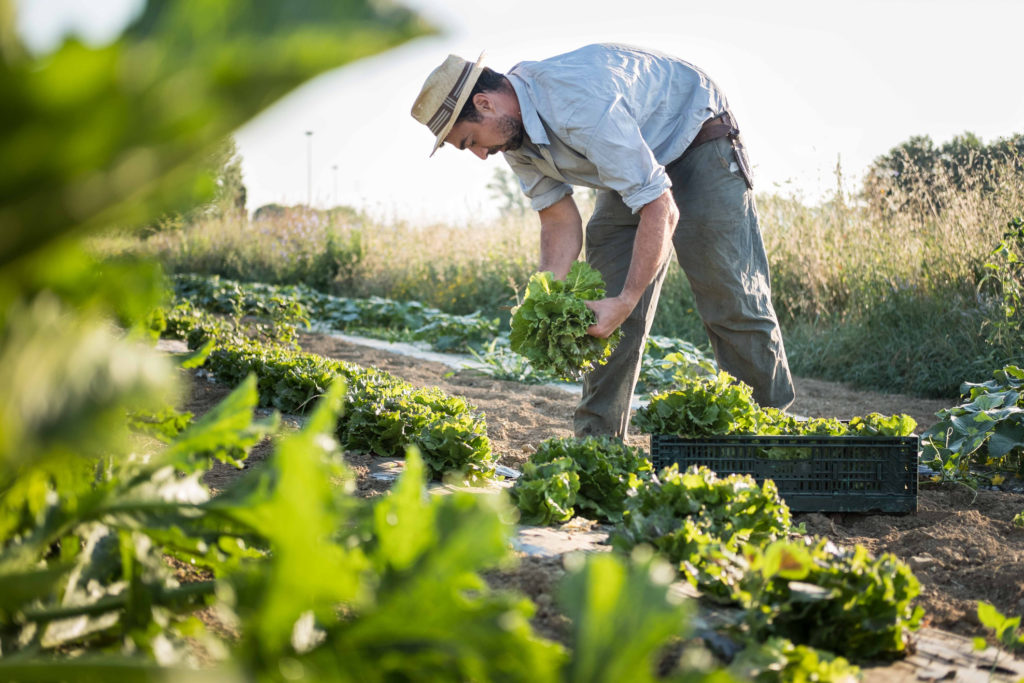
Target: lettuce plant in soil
(814,593)
(591,476)
(678,513)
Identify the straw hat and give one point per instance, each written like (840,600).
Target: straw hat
(443,95)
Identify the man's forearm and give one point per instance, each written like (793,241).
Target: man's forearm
(651,245)
(650,249)
(561,237)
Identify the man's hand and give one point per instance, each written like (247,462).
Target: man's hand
(610,313)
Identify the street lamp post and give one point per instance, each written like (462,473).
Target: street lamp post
(309,169)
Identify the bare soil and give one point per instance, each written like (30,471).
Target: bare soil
(962,545)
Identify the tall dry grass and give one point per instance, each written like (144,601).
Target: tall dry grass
(457,268)
(884,288)
(878,287)
(842,257)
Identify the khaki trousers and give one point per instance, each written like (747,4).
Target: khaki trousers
(718,244)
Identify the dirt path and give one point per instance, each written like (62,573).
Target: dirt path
(962,548)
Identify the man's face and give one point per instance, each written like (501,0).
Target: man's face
(493,133)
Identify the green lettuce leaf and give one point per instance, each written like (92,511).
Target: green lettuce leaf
(550,327)
(546,492)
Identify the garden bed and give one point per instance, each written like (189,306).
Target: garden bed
(963,548)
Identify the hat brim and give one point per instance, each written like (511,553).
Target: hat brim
(474,75)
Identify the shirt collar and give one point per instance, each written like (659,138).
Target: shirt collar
(532,124)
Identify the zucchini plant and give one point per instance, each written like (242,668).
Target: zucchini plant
(985,432)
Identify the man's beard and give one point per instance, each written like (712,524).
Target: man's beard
(512,129)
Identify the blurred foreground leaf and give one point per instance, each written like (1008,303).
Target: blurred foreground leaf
(93,137)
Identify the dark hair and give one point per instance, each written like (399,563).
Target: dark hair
(489,81)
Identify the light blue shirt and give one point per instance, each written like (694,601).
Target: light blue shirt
(608,117)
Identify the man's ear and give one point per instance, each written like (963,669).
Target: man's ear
(482,102)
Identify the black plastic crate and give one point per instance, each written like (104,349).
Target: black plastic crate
(812,473)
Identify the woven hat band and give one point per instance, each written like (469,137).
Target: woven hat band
(447,108)
(444,95)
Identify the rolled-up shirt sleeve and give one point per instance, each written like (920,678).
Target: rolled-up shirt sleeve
(624,161)
(542,190)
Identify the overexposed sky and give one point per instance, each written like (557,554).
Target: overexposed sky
(811,82)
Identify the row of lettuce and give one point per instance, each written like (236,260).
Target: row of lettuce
(729,537)
(979,440)
(384,414)
(411,321)
(129,569)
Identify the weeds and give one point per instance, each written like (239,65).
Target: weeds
(1006,274)
(1006,630)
